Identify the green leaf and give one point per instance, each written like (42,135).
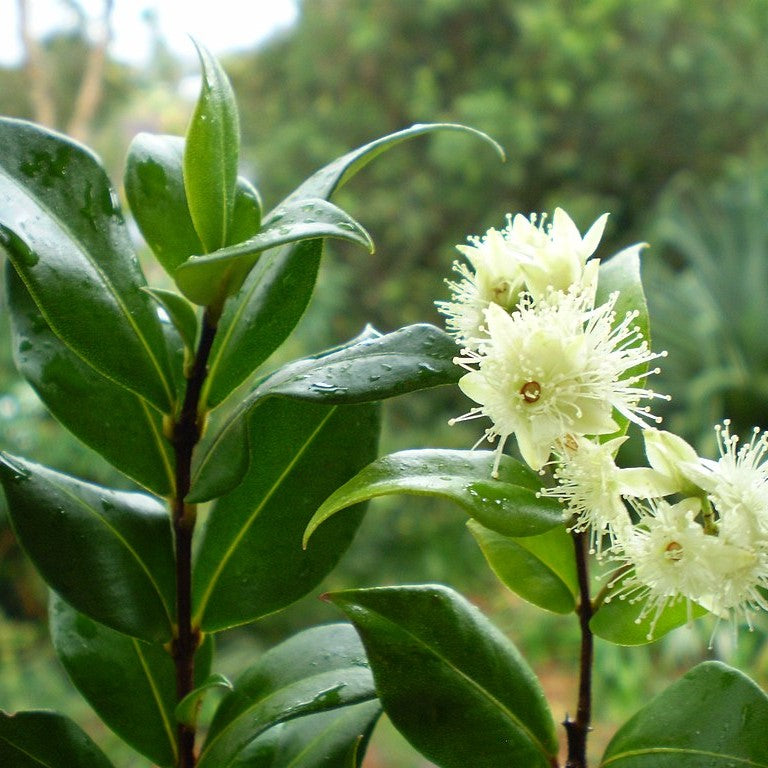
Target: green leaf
(621,274)
(180,312)
(46,740)
(508,505)
(65,382)
(714,716)
(107,553)
(188,709)
(334,739)
(541,569)
(62,229)
(262,315)
(371,367)
(449,680)
(250,561)
(619,622)
(273,298)
(321,669)
(130,684)
(211,155)
(209,279)
(154,186)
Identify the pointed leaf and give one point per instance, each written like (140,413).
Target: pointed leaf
(371,367)
(180,312)
(273,298)
(64,233)
(508,505)
(209,279)
(130,684)
(449,680)
(107,553)
(714,716)
(250,561)
(121,426)
(211,155)
(46,740)
(246,220)
(375,367)
(321,669)
(541,569)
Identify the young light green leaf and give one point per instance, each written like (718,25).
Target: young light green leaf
(246,217)
(42,739)
(249,561)
(371,367)
(211,278)
(112,554)
(180,312)
(320,669)
(211,155)
(714,716)
(508,504)
(541,569)
(188,709)
(65,381)
(449,680)
(62,229)
(273,298)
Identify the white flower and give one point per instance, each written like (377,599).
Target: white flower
(495,277)
(674,459)
(670,557)
(553,369)
(592,487)
(553,256)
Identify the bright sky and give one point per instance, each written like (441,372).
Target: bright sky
(222,25)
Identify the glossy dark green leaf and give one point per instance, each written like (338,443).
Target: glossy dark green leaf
(508,504)
(449,680)
(46,740)
(374,367)
(619,622)
(274,296)
(320,669)
(261,316)
(334,739)
(130,684)
(107,553)
(211,155)
(209,279)
(62,228)
(714,716)
(369,368)
(250,561)
(123,427)
(246,220)
(541,569)
(180,312)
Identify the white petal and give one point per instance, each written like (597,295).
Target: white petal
(593,236)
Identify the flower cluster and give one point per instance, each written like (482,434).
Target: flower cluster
(544,362)
(558,369)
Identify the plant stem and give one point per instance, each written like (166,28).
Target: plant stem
(186,434)
(578,729)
